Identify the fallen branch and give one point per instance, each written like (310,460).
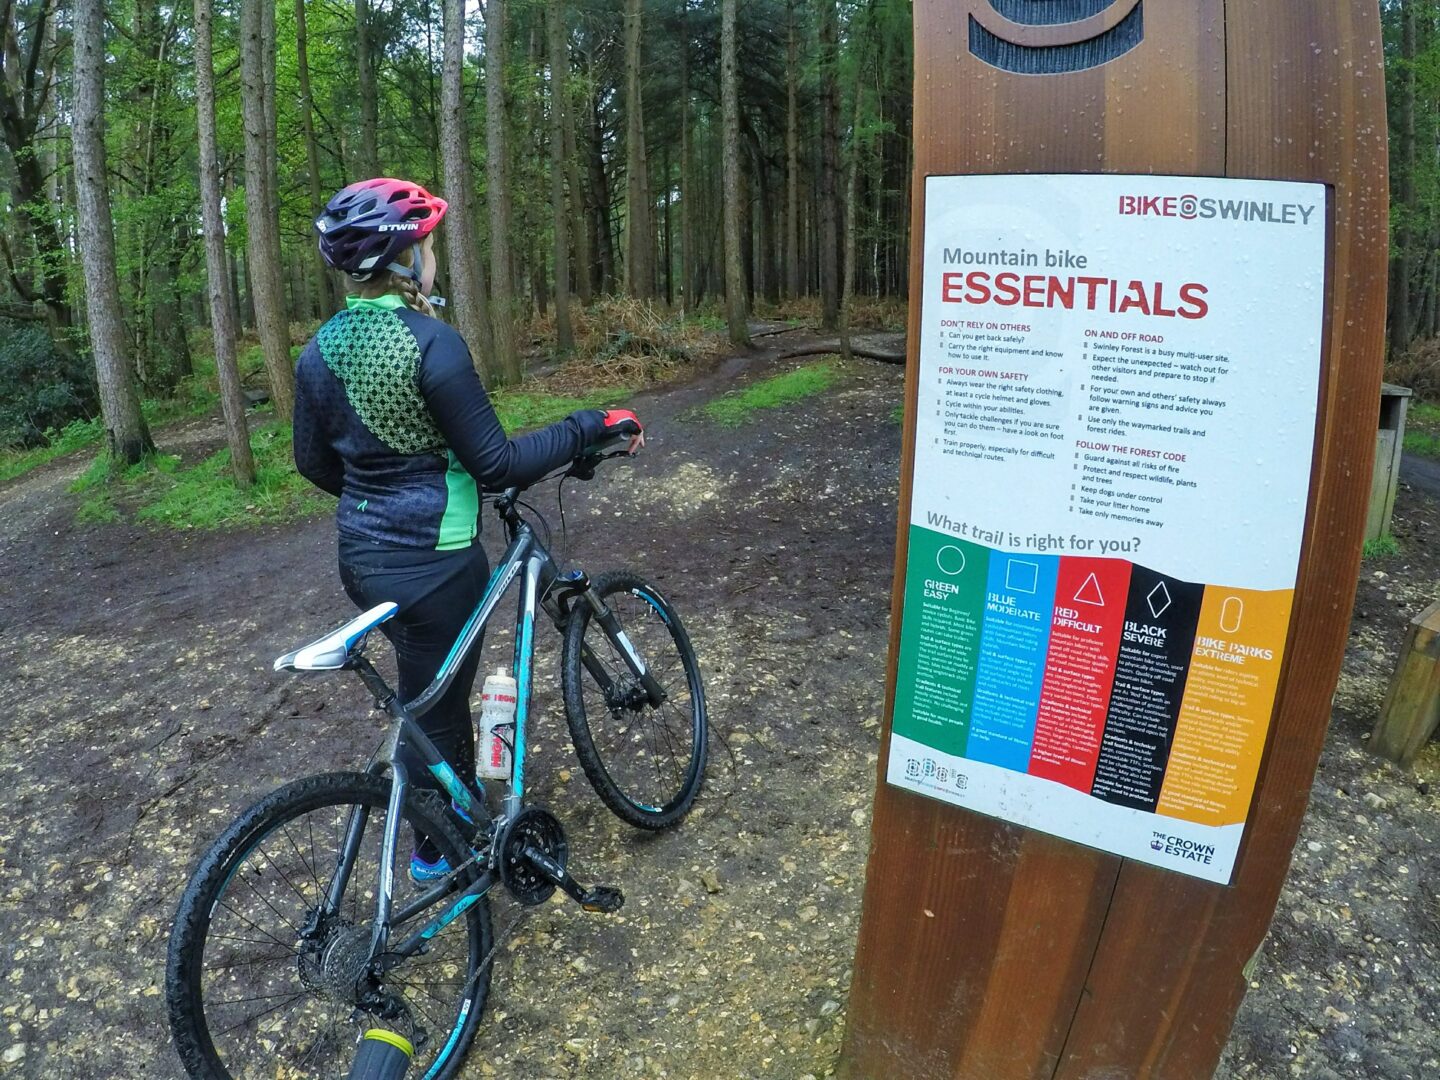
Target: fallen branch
(833,346)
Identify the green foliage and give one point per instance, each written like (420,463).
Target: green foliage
(1422,430)
(740,406)
(75,435)
(42,387)
(1382,547)
(164,491)
(518,409)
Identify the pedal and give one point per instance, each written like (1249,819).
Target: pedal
(603,899)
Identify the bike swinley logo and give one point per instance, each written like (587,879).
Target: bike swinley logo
(1191,207)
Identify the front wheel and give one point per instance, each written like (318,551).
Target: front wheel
(645,761)
(262,982)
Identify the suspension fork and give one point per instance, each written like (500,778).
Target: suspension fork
(633,660)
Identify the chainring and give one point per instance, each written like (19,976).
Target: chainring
(537,828)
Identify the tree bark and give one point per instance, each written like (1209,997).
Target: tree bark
(325,288)
(502,269)
(1400,322)
(852,171)
(792,157)
(222,315)
(127,437)
(559,50)
(467,278)
(27,77)
(601,189)
(365,69)
(579,210)
(736,315)
(263,270)
(639,231)
(829,167)
(688,190)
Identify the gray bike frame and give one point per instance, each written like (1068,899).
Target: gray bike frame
(541,585)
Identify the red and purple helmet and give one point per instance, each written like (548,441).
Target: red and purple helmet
(367,226)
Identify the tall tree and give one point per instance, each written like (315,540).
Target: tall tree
(127,437)
(829,166)
(262,229)
(324,285)
(497,172)
(639,230)
(1406,210)
(222,315)
(735,296)
(580,212)
(688,191)
(559,48)
(467,278)
(365,69)
(792,156)
(27,78)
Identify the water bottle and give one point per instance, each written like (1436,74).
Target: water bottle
(497,719)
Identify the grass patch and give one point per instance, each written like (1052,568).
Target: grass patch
(519,409)
(1422,429)
(163,491)
(897,414)
(736,408)
(76,435)
(1380,547)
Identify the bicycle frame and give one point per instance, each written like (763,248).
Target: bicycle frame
(542,586)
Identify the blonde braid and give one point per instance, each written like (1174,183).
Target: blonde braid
(409,290)
(391,282)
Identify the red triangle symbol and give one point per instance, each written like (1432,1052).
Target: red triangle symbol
(1089,593)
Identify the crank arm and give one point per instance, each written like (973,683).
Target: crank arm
(601,898)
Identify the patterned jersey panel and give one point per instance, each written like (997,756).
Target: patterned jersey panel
(358,400)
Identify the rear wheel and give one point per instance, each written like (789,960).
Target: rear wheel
(646,762)
(260,984)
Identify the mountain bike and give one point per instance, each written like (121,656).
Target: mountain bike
(293,955)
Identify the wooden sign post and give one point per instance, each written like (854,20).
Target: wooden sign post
(1103,735)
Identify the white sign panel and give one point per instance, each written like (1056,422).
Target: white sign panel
(1116,412)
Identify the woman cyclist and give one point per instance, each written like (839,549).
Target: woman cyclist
(391,418)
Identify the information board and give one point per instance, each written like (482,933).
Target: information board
(1115,420)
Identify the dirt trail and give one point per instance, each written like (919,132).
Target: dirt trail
(144,715)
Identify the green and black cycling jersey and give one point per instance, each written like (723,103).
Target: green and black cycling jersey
(391,417)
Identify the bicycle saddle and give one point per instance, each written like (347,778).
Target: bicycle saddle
(332,652)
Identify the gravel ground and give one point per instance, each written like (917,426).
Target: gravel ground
(146,716)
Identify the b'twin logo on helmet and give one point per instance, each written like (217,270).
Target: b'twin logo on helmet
(403,226)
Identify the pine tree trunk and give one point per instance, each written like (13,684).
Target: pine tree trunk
(263,229)
(325,288)
(559,49)
(268,49)
(736,314)
(688,192)
(127,438)
(369,93)
(579,210)
(222,314)
(497,171)
(467,277)
(852,171)
(1400,327)
(605,248)
(829,168)
(792,156)
(639,232)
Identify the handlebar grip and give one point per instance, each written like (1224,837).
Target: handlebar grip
(383,1055)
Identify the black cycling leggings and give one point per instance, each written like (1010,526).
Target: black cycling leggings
(436,591)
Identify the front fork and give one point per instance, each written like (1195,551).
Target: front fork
(559,603)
